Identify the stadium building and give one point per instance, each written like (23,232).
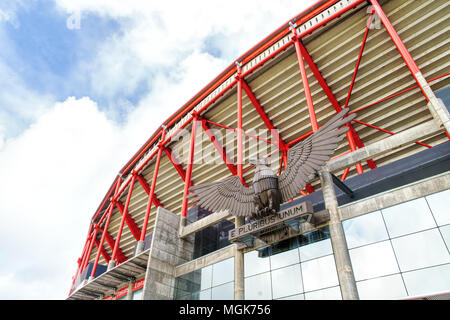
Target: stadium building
(381,222)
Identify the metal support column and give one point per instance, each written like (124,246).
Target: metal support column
(141,244)
(187,181)
(112,262)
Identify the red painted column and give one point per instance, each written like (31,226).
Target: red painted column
(240,161)
(122,222)
(311,111)
(398,43)
(151,194)
(187,181)
(108,219)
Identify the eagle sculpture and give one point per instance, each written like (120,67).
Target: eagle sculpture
(268,190)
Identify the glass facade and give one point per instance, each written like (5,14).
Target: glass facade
(299,268)
(397,252)
(214,282)
(402,250)
(209,239)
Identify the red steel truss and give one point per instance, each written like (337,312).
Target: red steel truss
(101,224)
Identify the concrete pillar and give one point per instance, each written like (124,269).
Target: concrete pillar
(111,264)
(166,252)
(139,247)
(130,289)
(340,250)
(239,293)
(436,106)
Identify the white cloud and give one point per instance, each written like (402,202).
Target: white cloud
(51,177)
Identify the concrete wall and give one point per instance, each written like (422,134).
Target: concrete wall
(166,252)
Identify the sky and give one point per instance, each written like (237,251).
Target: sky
(83,85)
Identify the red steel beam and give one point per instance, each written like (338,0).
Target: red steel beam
(352,136)
(122,221)
(358,61)
(91,244)
(105,229)
(153,187)
(311,111)
(397,94)
(187,180)
(147,189)
(129,221)
(264,117)
(386,131)
(176,165)
(221,149)
(112,243)
(240,152)
(102,250)
(410,63)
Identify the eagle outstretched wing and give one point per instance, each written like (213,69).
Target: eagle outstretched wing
(308,156)
(228,193)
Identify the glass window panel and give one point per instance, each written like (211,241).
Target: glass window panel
(319,273)
(223,272)
(445,231)
(286,281)
(284,259)
(187,283)
(294,297)
(223,292)
(440,206)
(324,294)
(255,263)
(315,250)
(427,281)
(258,287)
(408,217)
(206,278)
(383,288)
(137,295)
(205,295)
(373,260)
(365,229)
(419,250)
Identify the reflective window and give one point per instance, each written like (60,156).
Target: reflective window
(204,295)
(223,292)
(211,281)
(373,261)
(384,288)
(258,287)
(255,262)
(223,272)
(286,281)
(445,231)
(205,277)
(365,229)
(429,280)
(283,259)
(315,250)
(420,250)
(319,273)
(408,217)
(440,206)
(324,294)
